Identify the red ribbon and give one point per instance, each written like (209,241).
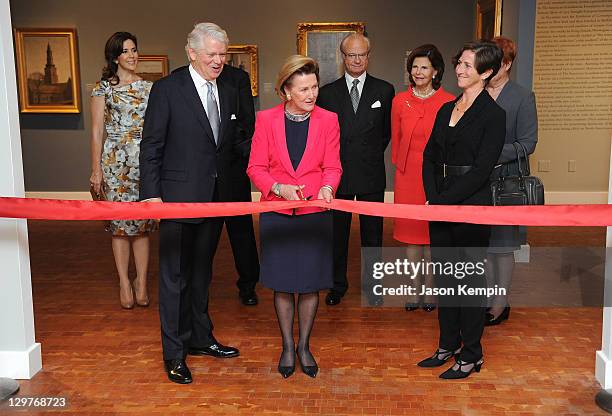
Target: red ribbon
(543,215)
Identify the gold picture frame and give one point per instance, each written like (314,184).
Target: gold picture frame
(245,57)
(47,70)
(152,67)
(488,19)
(321,41)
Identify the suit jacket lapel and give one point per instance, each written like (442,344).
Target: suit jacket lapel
(278,130)
(190,94)
(224,106)
(471,114)
(365,98)
(346,104)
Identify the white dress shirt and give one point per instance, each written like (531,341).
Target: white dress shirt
(349,82)
(200,84)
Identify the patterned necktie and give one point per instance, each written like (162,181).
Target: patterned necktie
(355,95)
(212,111)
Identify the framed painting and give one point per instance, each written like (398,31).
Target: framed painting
(246,58)
(321,41)
(152,67)
(488,19)
(47,70)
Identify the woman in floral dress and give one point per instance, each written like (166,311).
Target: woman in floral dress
(118,106)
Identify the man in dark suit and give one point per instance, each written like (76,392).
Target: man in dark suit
(189,139)
(363,105)
(240,227)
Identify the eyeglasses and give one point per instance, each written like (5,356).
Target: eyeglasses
(353,56)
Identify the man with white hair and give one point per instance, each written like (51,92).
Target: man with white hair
(189,140)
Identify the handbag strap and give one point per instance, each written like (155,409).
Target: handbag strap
(527,167)
(518,147)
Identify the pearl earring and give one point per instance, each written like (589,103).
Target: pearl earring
(288,97)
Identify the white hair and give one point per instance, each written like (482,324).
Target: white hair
(354,36)
(195,38)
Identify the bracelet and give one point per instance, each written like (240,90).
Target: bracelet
(276,188)
(328,187)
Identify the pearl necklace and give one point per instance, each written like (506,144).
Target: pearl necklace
(297,117)
(421,95)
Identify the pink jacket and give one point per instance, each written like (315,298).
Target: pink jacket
(270,163)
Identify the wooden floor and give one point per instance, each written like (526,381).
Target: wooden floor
(107,361)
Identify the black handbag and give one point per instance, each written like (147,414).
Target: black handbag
(521,189)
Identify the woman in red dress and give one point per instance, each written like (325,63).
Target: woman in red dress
(412,118)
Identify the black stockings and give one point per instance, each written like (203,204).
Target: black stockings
(307,305)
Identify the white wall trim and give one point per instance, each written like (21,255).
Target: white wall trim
(21,365)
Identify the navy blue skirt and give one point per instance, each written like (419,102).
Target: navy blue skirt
(296,252)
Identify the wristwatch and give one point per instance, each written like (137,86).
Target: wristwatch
(276,188)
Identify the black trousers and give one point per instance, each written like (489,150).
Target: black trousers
(461,317)
(186,253)
(244,248)
(371,230)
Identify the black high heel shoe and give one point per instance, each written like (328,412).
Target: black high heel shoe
(451,374)
(438,358)
(309,370)
(411,306)
(286,371)
(492,321)
(428,307)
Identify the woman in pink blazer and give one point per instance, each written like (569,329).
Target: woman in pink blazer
(296,155)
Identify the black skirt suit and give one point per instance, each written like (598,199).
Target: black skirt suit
(470,150)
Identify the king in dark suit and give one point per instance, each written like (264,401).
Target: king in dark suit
(363,105)
(189,140)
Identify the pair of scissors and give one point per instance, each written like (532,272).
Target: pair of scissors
(300,194)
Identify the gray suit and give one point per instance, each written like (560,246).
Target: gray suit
(521,126)
(521,123)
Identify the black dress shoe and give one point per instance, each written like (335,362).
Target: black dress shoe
(492,321)
(333,298)
(451,374)
(215,350)
(249,299)
(177,371)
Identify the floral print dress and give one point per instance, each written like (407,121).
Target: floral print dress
(123,120)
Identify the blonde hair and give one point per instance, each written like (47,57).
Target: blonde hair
(295,64)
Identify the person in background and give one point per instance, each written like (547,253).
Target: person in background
(465,144)
(521,127)
(240,227)
(412,117)
(118,104)
(363,105)
(296,155)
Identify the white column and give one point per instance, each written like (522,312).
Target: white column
(603,362)
(19,355)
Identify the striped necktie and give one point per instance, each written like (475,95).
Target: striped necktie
(355,95)
(212,111)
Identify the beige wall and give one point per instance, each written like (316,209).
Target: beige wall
(56,147)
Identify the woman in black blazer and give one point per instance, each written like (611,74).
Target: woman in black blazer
(465,144)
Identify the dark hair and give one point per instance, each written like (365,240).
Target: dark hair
(112,50)
(432,53)
(487,55)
